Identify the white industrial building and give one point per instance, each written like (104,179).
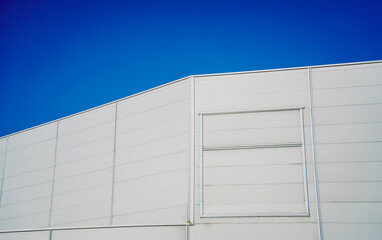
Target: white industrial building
(292,154)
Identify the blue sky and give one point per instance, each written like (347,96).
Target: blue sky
(62,57)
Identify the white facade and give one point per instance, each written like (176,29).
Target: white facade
(278,154)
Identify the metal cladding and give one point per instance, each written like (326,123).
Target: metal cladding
(274,154)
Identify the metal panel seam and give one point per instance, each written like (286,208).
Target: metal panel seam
(2,177)
(53,177)
(113,171)
(191,203)
(314,155)
(303,152)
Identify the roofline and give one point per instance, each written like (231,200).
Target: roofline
(188,77)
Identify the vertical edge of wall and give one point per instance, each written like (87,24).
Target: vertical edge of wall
(314,153)
(191,200)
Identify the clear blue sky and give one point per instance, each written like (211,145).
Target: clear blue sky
(64,56)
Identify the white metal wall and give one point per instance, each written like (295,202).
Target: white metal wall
(348,118)
(130,163)
(126,163)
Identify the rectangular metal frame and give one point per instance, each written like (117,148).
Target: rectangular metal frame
(301,144)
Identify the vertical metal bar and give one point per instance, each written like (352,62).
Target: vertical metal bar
(201,168)
(187,232)
(191,201)
(113,173)
(2,176)
(50,234)
(314,154)
(303,148)
(54,175)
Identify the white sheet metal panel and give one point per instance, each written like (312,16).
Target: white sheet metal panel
(348,111)
(31,152)
(3,145)
(152,157)
(44,235)
(28,178)
(37,220)
(252,91)
(84,167)
(353,231)
(32,136)
(140,233)
(245,231)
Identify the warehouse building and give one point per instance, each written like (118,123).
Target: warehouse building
(273,154)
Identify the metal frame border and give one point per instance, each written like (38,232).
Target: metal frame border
(302,145)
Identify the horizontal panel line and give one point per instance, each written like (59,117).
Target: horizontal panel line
(302,90)
(31,185)
(24,215)
(32,144)
(350,162)
(254,128)
(79,205)
(150,125)
(85,128)
(346,87)
(302,202)
(81,174)
(85,143)
(252,165)
(27,172)
(352,201)
(83,220)
(81,189)
(353,181)
(153,141)
(282,145)
(345,124)
(254,111)
(149,210)
(153,108)
(151,158)
(255,184)
(349,105)
(346,105)
(286,214)
(29,158)
(83,158)
(148,193)
(155,174)
(26,200)
(328,143)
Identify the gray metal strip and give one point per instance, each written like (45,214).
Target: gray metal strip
(254,111)
(191,202)
(282,145)
(113,173)
(313,134)
(54,174)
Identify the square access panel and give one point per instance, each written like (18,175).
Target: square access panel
(253,163)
